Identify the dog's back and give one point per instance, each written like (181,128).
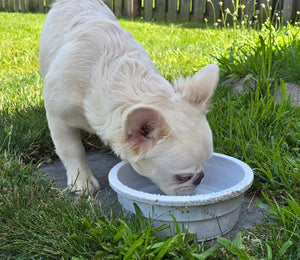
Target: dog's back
(61,20)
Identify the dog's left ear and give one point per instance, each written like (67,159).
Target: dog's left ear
(144,127)
(200,88)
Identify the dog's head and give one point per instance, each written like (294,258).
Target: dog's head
(170,144)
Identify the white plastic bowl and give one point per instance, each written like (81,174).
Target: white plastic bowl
(212,210)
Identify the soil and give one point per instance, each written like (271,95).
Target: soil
(244,84)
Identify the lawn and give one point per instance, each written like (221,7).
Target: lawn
(38,221)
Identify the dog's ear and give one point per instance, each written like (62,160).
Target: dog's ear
(200,88)
(144,127)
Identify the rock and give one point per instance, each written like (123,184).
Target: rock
(292,91)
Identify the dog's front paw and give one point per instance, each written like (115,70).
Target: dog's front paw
(83,183)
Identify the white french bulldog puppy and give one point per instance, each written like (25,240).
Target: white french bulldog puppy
(99,79)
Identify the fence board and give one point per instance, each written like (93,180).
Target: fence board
(23,9)
(148,9)
(126,9)
(227,4)
(184,13)
(16,6)
(109,3)
(48,5)
(172,11)
(37,5)
(297,6)
(41,6)
(27,6)
(132,8)
(6,8)
(118,7)
(32,5)
(9,3)
(198,10)
(264,9)
(288,10)
(213,11)
(160,10)
(247,12)
(279,5)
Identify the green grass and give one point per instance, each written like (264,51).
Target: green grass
(273,56)
(38,221)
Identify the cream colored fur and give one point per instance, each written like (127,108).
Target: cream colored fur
(99,79)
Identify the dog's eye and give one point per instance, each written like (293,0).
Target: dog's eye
(182,178)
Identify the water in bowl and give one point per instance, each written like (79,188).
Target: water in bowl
(201,189)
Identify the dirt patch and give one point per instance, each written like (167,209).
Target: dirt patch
(240,85)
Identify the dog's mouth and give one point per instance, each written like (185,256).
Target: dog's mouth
(191,186)
(198,179)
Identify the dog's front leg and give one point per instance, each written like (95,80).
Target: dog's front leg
(71,151)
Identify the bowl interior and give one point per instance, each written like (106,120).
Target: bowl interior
(220,173)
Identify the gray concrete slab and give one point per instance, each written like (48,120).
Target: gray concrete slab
(101,163)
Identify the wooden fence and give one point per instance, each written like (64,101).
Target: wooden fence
(178,10)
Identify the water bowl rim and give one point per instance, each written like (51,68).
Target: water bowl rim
(190,200)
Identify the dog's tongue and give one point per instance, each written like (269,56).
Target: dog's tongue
(199,178)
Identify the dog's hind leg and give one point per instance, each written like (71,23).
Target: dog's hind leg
(72,153)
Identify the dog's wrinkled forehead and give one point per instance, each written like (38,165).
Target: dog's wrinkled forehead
(188,148)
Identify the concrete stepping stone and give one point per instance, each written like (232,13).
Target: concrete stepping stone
(101,163)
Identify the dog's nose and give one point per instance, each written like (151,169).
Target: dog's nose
(199,178)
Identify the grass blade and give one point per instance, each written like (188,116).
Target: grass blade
(207,252)
(284,247)
(269,251)
(232,248)
(133,248)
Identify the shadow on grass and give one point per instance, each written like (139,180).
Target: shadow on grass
(25,132)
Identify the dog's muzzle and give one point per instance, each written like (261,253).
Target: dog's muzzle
(198,179)
(189,189)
